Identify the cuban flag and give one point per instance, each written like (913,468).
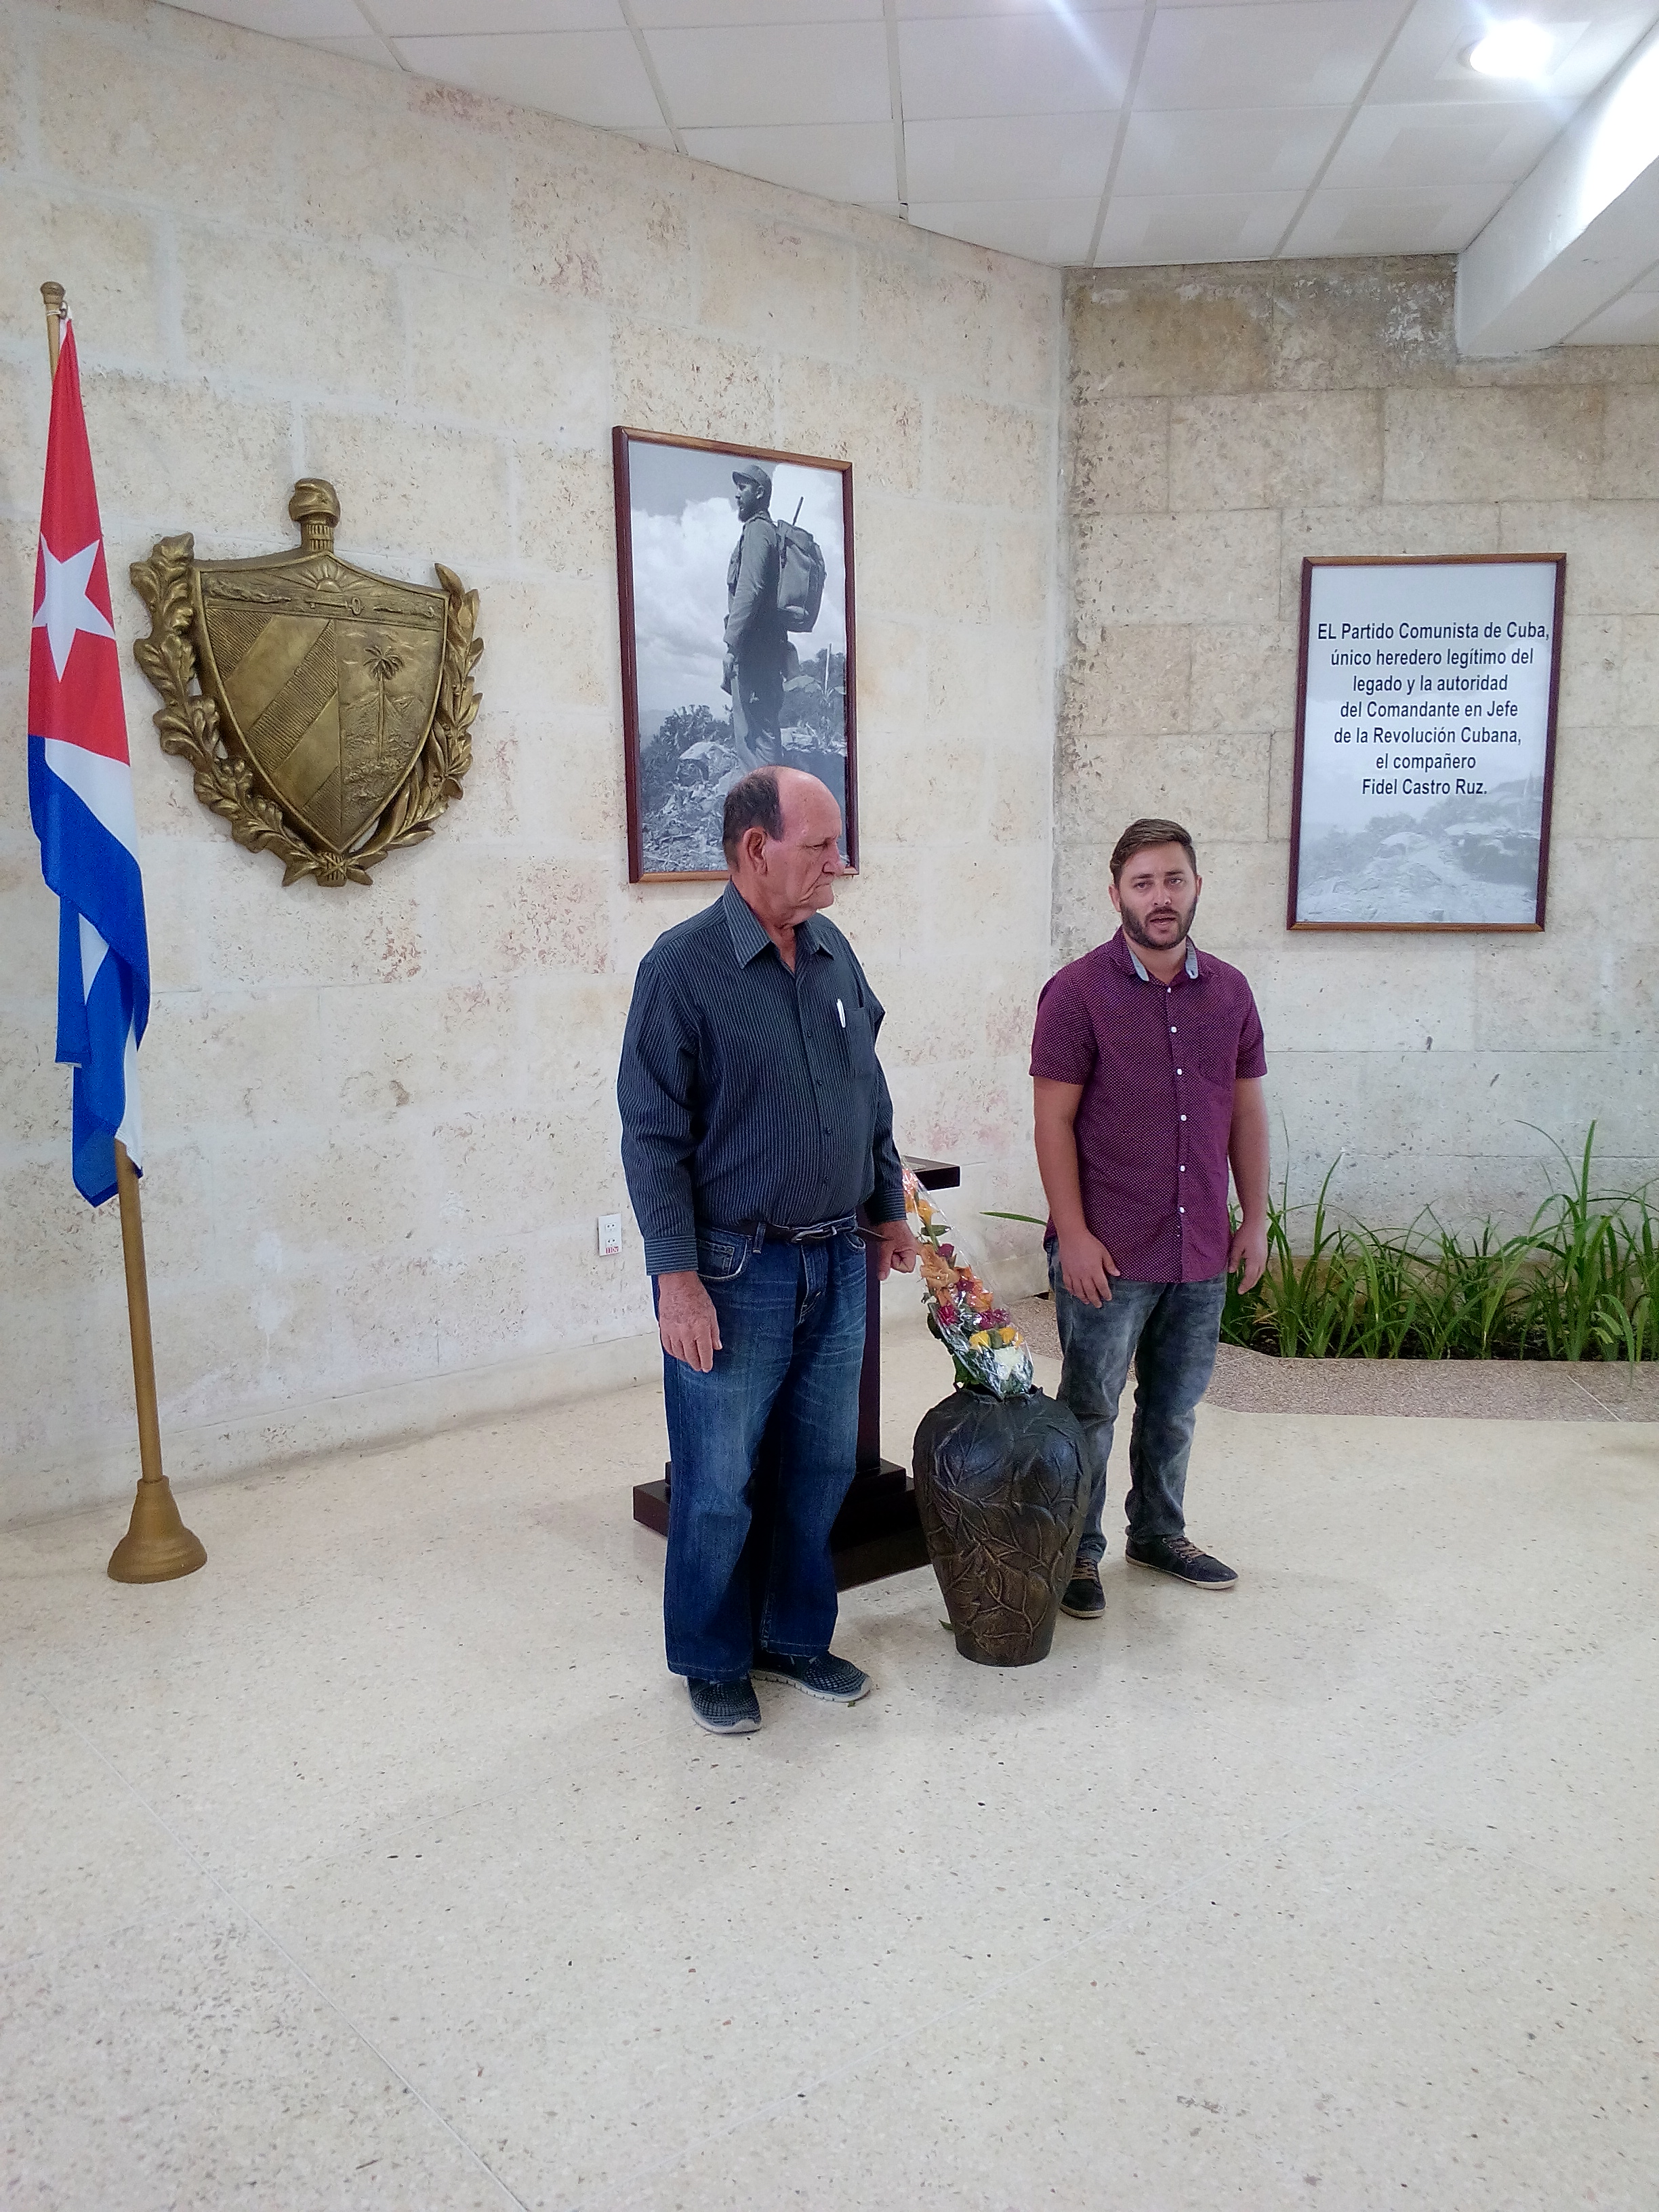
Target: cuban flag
(81,802)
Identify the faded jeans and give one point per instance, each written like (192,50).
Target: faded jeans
(1170,1331)
(764,1448)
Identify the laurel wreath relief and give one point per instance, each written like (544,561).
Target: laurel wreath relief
(187,723)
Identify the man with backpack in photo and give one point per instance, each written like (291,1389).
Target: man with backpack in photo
(774,585)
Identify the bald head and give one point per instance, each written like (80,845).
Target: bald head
(782,838)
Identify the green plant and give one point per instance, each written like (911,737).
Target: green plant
(1580,1282)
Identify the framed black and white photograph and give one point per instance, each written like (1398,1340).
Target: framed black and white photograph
(1425,742)
(735,589)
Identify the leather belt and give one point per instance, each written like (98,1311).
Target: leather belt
(809,1232)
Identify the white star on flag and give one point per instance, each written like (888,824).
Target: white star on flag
(64,608)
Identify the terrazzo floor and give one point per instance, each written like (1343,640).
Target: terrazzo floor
(379,1864)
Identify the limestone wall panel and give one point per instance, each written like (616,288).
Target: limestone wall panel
(383,1119)
(1475,445)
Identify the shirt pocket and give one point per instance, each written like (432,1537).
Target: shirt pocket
(722,1255)
(859,1038)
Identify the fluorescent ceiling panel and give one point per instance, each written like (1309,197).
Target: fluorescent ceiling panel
(1011,157)
(1425,61)
(1313,53)
(837,160)
(809,73)
(592,77)
(1015,65)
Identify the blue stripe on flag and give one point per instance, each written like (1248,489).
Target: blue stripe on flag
(94,873)
(101,1089)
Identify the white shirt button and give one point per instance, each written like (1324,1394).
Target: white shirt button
(1183,1164)
(1172,1028)
(1180,1209)
(1184,1116)
(1182,1071)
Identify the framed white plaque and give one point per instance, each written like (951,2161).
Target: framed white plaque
(1425,742)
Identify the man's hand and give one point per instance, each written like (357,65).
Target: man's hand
(1086,1268)
(689,1327)
(897,1248)
(1247,1256)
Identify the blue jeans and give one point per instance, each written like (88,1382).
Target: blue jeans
(1170,1330)
(764,1448)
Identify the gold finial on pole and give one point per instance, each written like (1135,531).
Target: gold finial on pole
(53,296)
(315,507)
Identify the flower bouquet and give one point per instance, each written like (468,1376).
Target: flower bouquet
(988,1351)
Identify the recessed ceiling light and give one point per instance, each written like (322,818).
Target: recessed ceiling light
(1514,49)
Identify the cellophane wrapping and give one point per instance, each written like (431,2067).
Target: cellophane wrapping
(980,1336)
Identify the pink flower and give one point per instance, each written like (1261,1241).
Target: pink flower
(996,1318)
(947,1252)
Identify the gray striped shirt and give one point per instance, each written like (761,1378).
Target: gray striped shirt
(749,1094)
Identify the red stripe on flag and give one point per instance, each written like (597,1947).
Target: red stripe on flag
(84,708)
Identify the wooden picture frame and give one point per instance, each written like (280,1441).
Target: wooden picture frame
(686,732)
(1441,676)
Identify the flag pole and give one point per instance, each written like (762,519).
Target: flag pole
(157,1547)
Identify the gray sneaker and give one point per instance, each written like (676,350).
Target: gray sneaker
(1084,1600)
(836,1681)
(724,1708)
(1177,1556)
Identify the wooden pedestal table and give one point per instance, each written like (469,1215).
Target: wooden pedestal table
(877,1532)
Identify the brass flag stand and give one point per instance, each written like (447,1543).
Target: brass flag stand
(157,1547)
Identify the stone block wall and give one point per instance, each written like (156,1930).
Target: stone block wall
(380,1121)
(1221,424)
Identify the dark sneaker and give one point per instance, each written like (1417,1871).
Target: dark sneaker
(837,1681)
(1177,1556)
(724,1708)
(1084,1600)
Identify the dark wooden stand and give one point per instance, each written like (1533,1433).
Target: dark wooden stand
(877,1532)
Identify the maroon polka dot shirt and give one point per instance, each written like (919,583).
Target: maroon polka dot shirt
(1157,1063)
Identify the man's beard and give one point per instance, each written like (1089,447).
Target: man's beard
(1137,935)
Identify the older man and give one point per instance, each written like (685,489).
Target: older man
(756,1123)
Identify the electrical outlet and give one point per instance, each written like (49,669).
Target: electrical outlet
(610,1236)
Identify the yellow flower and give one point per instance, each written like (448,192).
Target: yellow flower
(981,1340)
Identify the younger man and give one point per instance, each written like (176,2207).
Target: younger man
(1147,1064)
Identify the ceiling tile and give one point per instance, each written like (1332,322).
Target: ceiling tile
(1427,60)
(1394,221)
(1255,148)
(694,14)
(1040,230)
(284,19)
(1013,157)
(356,50)
(411,19)
(1308,52)
(805,73)
(1633,321)
(1426,145)
(592,77)
(838,160)
(1199,227)
(922,11)
(1015,65)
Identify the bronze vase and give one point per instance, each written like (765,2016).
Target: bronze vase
(1002,1492)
